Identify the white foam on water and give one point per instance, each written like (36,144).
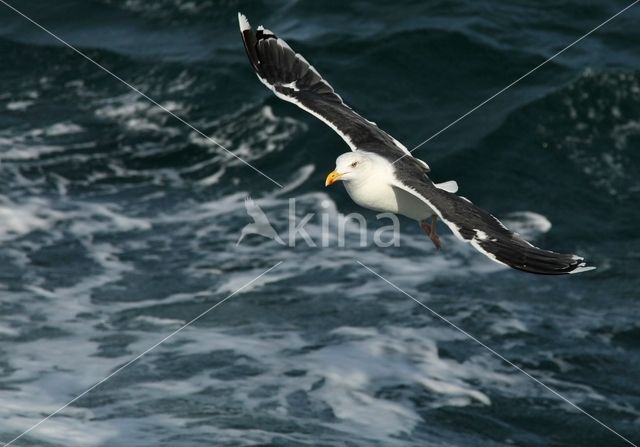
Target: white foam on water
(19,106)
(347,376)
(251,133)
(36,142)
(19,219)
(160,321)
(136,114)
(527,224)
(21,151)
(62,129)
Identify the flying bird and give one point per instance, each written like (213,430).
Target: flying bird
(381,174)
(260,224)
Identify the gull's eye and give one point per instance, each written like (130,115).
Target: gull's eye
(354,164)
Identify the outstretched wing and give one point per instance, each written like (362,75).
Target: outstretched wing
(487,234)
(293,79)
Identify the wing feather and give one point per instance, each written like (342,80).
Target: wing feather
(293,79)
(487,234)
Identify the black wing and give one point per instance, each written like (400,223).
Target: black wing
(293,79)
(487,234)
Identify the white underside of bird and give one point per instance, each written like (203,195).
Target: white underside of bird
(381,196)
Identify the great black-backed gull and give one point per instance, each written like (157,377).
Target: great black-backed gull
(381,174)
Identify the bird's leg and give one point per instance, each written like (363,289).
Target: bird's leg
(430,230)
(434,235)
(425,227)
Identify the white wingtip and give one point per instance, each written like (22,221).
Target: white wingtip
(582,268)
(244,23)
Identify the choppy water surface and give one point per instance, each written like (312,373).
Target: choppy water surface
(118,224)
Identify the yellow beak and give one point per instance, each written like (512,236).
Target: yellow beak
(333,177)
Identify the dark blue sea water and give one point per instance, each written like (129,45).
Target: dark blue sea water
(118,224)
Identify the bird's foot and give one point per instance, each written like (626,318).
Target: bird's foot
(436,241)
(430,230)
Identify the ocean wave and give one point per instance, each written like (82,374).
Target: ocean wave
(595,127)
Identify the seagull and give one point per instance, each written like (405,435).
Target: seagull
(260,224)
(381,174)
